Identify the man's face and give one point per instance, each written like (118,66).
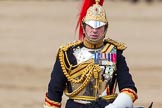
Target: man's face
(94,35)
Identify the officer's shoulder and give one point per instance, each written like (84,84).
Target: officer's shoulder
(70,45)
(119,45)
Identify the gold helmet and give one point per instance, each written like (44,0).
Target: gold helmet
(95,16)
(92,14)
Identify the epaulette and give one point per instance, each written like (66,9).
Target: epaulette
(119,45)
(65,48)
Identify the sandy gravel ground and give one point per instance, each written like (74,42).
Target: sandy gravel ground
(31,32)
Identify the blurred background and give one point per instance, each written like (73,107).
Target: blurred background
(31,31)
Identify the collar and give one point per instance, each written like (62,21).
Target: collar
(92,46)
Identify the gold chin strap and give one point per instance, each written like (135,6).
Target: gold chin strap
(90,45)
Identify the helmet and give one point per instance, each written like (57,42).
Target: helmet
(92,14)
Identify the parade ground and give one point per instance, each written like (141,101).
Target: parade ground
(32,31)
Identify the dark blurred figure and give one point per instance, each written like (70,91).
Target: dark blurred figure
(149,1)
(134,1)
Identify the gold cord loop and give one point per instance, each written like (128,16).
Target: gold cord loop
(80,73)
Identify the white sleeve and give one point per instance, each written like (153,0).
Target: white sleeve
(123,100)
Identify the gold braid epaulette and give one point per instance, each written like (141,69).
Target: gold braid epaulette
(62,54)
(119,45)
(65,48)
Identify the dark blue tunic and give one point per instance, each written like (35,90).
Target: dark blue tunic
(59,81)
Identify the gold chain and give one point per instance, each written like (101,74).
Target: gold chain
(87,68)
(82,86)
(62,62)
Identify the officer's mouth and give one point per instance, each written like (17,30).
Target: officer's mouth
(94,36)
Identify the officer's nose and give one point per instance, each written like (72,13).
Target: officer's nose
(94,30)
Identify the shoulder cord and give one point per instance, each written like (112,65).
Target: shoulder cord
(119,45)
(89,69)
(92,71)
(67,74)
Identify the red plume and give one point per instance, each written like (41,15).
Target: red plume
(86,4)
